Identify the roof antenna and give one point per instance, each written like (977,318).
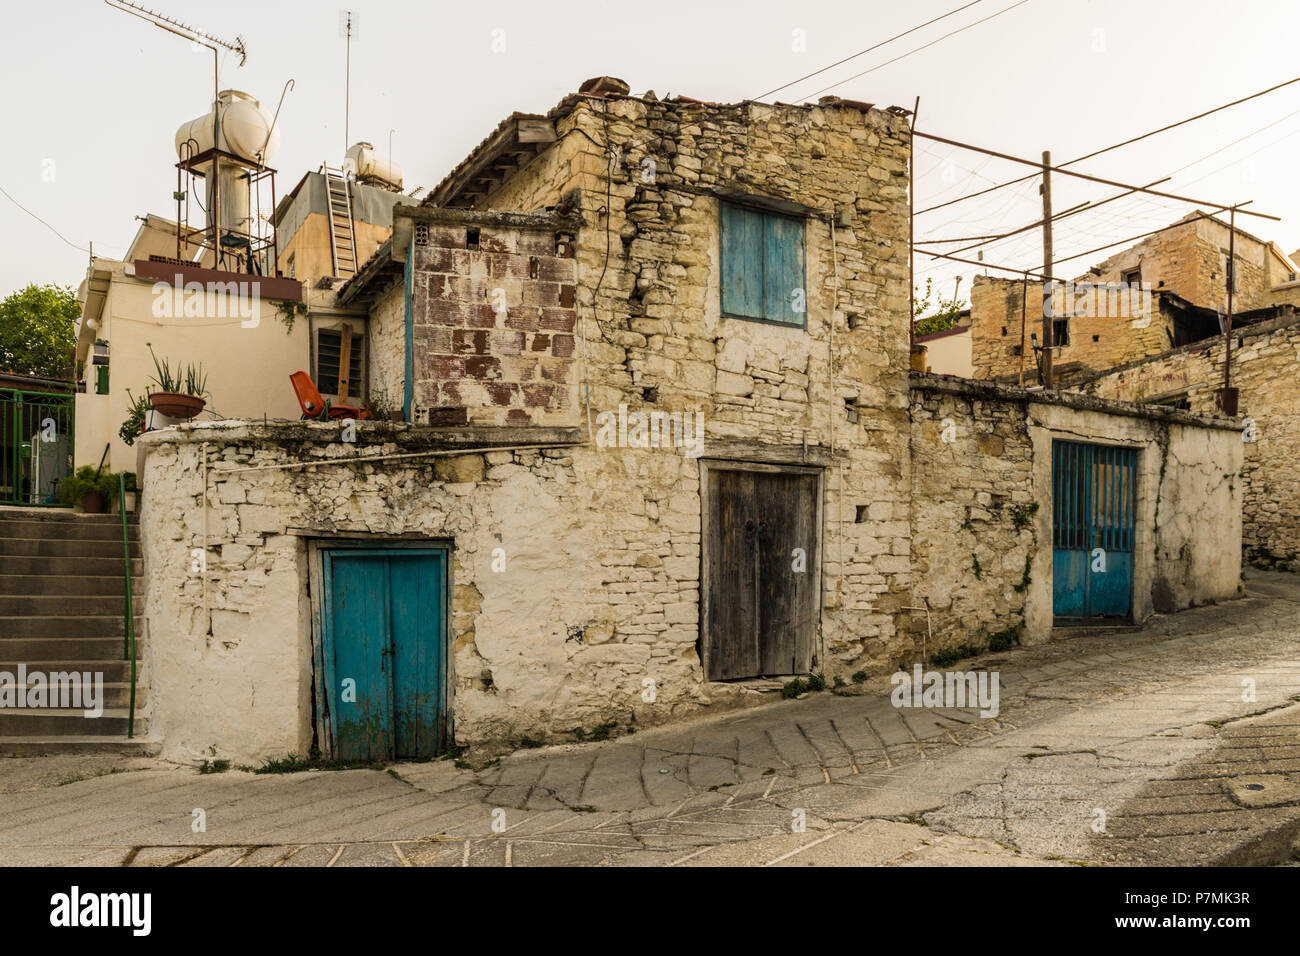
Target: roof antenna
(197,38)
(347,83)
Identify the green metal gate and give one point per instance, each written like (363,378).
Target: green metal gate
(36,444)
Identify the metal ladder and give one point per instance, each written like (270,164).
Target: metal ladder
(343,242)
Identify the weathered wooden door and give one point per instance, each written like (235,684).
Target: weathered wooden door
(383,623)
(761,577)
(1094,498)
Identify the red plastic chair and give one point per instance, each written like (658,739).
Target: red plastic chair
(313,406)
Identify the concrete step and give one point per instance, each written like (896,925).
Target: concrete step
(115,670)
(85,585)
(19,635)
(55,722)
(46,605)
(46,513)
(32,564)
(85,530)
(67,547)
(117,694)
(35,746)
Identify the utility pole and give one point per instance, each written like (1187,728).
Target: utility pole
(1048,337)
(1024,312)
(911,223)
(1227,326)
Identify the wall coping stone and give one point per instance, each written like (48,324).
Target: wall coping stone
(993,392)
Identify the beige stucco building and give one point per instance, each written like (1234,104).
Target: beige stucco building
(249,332)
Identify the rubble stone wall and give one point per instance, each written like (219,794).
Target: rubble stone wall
(1264,363)
(982,505)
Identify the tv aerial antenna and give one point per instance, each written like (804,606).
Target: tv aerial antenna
(215,44)
(184,30)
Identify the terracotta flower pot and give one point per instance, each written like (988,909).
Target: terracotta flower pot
(92,503)
(176,405)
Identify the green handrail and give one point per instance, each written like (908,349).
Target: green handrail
(128,649)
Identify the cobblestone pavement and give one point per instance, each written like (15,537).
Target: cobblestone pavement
(1132,746)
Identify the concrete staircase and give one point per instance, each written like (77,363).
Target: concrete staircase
(62,604)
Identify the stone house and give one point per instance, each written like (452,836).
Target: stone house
(1265,358)
(660,443)
(1162,293)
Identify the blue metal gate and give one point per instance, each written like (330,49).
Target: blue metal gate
(384,622)
(1094,499)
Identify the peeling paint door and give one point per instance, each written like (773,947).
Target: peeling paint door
(761,596)
(383,625)
(1094,497)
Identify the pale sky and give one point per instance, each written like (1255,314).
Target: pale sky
(95,97)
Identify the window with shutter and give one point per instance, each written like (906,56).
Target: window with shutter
(329,363)
(762,256)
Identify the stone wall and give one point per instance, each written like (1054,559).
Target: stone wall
(543,641)
(1108,325)
(1264,365)
(494,318)
(982,504)
(655,339)
(386,360)
(973,504)
(1188,261)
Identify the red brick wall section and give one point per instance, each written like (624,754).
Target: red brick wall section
(494,329)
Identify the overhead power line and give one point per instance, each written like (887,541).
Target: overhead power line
(867,50)
(1085,176)
(44,223)
(925,46)
(1127,142)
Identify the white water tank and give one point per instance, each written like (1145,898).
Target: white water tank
(244,130)
(244,126)
(369,167)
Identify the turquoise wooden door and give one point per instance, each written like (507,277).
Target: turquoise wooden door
(384,624)
(1094,497)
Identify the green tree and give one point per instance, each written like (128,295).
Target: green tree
(38,331)
(941,317)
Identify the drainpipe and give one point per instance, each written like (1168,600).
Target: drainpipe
(408,389)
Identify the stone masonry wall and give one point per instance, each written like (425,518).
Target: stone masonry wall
(1189,261)
(1264,362)
(542,642)
(493,321)
(982,505)
(386,358)
(1097,341)
(655,338)
(973,504)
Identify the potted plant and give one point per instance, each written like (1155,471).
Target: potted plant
(133,427)
(180,391)
(90,488)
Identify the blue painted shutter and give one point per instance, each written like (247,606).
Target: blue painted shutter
(783,275)
(742,261)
